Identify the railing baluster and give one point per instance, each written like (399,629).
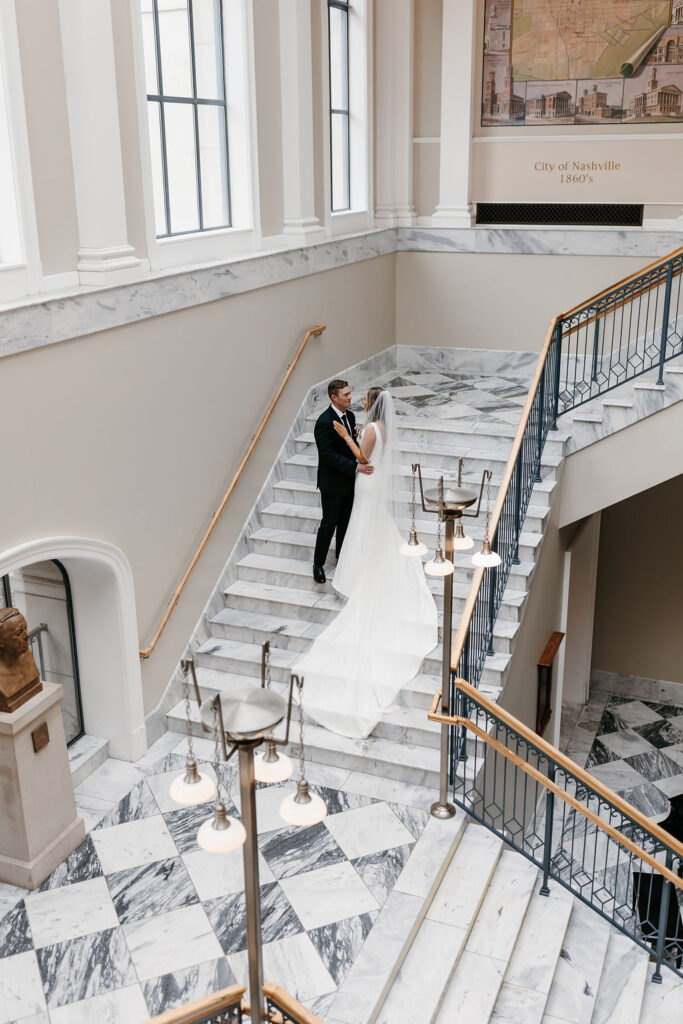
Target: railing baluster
(665,323)
(663,918)
(548,832)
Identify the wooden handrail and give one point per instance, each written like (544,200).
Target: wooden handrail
(314,332)
(568,765)
(289,1004)
(470,601)
(201,1008)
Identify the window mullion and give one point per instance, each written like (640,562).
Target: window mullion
(195,111)
(162,116)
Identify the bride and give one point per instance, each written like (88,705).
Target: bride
(357,665)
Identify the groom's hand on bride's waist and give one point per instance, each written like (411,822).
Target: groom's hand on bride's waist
(367,468)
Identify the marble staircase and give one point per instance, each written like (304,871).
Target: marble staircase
(489,949)
(267,591)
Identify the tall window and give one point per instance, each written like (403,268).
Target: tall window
(187,108)
(340,121)
(10,231)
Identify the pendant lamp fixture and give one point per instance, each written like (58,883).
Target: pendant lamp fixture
(220,833)
(413,548)
(302,807)
(269,766)
(192,787)
(439,566)
(486,557)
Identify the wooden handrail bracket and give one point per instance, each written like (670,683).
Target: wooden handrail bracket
(314,332)
(199,1009)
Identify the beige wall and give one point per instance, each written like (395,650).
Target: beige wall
(143,426)
(269,121)
(461,299)
(639,599)
(48,133)
(426,104)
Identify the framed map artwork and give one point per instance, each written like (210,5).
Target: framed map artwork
(553,62)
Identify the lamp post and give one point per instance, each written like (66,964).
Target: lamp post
(449,502)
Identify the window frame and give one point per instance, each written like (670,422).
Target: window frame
(222,243)
(359,217)
(23,276)
(344,112)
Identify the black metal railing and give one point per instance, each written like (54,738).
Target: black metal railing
(618,335)
(579,834)
(281,1008)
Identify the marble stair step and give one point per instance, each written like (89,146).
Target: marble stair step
(662,1003)
(293,618)
(294,572)
(577,976)
(304,465)
(649,386)
(288,543)
(625,975)
(528,979)
(443,935)
(305,492)
(587,417)
(617,403)
(292,516)
(476,982)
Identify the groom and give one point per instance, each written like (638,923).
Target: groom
(336,473)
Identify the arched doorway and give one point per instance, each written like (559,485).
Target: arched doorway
(42,593)
(105,624)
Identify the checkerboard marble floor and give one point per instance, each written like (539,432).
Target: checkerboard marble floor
(630,737)
(139,919)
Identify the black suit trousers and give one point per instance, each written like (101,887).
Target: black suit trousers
(336,514)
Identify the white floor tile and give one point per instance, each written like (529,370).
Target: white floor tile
(71,911)
(122,1006)
(214,875)
(133,843)
(294,962)
(366,830)
(168,943)
(21,988)
(328,894)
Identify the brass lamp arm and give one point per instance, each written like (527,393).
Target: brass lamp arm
(486,475)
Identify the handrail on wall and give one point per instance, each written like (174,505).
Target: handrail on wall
(478,576)
(313,332)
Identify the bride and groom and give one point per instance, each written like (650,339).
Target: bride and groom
(357,665)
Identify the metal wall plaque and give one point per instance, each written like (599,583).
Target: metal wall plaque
(40,737)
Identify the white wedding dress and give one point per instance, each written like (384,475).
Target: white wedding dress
(357,665)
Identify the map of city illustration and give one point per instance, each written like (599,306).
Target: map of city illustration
(555,40)
(582,62)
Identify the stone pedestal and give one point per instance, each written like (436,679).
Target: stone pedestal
(40,825)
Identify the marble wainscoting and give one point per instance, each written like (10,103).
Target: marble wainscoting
(139,919)
(44,320)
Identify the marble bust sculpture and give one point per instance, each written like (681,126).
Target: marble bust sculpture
(19,676)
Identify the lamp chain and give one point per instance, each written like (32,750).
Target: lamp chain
(188,723)
(412,503)
(438,521)
(266,663)
(488,501)
(216,752)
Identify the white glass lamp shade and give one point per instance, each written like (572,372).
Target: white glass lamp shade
(272,769)
(487,558)
(439,566)
(192,787)
(461,542)
(220,833)
(413,548)
(303,808)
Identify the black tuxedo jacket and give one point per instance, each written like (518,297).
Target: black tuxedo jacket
(336,464)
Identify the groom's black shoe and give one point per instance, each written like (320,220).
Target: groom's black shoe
(319,574)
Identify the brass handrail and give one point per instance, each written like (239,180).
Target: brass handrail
(200,1009)
(314,332)
(566,763)
(478,575)
(289,1004)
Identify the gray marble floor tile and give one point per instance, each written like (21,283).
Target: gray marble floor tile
(151,889)
(339,943)
(214,876)
(290,851)
(600,754)
(414,818)
(671,786)
(625,742)
(328,894)
(9,897)
(184,823)
(380,870)
(21,987)
(133,843)
(653,765)
(111,781)
(69,912)
(368,830)
(181,987)
(296,964)
(634,714)
(120,1006)
(170,942)
(229,921)
(85,967)
(80,865)
(159,750)
(138,803)
(337,800)
(15,931)
(618,775)
(665,732)
(648,800)
(92,809)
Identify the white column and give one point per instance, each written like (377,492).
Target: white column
(394,112)
(457,76)
(296,87)
(104,255)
